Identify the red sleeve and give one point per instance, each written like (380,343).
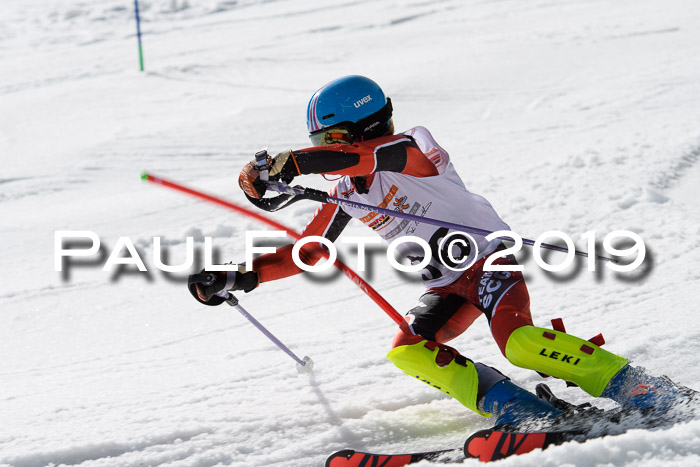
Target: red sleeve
(328,221)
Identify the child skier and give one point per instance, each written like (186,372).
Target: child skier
(350,125)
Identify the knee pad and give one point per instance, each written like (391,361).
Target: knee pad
(441,367)
(563,356)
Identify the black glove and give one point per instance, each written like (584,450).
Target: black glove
(211,288)
(284,167)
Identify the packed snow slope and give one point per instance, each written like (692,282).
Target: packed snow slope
(571,115)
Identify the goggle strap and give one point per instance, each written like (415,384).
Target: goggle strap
(380,116)
(361,126)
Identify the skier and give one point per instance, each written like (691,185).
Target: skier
(350,125)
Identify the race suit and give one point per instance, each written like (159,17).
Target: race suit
(409,172)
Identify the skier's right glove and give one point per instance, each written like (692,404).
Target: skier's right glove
(211,288)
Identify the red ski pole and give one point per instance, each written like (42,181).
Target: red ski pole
(352,275)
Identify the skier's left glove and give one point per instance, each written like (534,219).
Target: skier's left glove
(282,167)
(211,288)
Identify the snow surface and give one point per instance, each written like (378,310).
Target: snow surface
(569,114)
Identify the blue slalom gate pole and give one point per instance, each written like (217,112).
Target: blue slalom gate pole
(138,32)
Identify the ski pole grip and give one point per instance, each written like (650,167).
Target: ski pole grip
(261,161)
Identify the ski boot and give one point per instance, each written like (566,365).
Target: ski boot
(478,387)
(514,406)
(633,387)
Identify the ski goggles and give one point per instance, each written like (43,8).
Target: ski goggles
(332,135)
(349,132)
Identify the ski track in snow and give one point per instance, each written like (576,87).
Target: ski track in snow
(566,115)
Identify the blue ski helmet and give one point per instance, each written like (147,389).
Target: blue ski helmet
(348,109)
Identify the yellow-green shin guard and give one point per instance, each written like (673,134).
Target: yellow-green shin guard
(458,378)
(563,356)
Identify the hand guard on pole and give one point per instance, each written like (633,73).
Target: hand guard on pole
(250,180)
(256,174)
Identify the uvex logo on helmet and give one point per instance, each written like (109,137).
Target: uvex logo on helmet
(352,103)
(363,101)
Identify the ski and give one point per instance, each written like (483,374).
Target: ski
(492,445)
(350,458)
(579,423)
(484,445)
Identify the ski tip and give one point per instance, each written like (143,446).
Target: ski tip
(144,176)
(340,458)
